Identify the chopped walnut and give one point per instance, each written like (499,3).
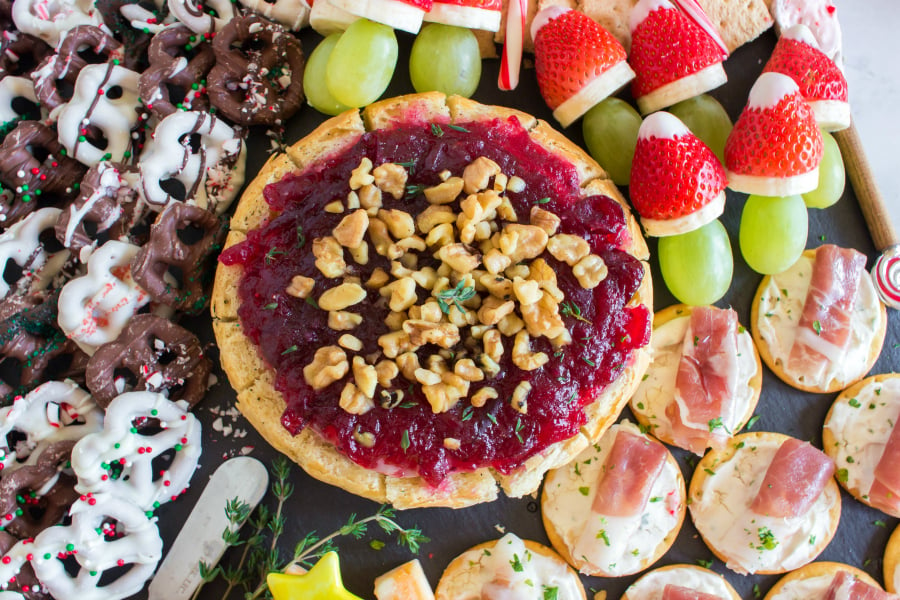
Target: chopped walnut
(490,367)
(354,401)
(377,279)
(360,254)
(468,370)
(541,272)
(431,311)
(350,342)
(590,271)
(352,229)
(481,397)
(365,375)
(352,200)
(498,286)
(542,318)
(510,325)
(433,216)
(395,343)
(408,362)
(329,365)
(523,357)
(341,296)
(300,286)
(362,175)
(515,185)
(370,199)
(568,248)
(520,242)
(385,372)
(493,344)
(462,258)
(394,320)
(480,207)
(545,219)
(445,192)
(391,179)
(335,207)
(445,335)
(500,182)
(402,293)
(520,397)
(478,173)
(452,443)
(425,277)
(441,235)
(493,310)
(527,291)
(426,377)
(495,261)
(329,257)
(399,223)
(366,439)
(378,233)
(341,320)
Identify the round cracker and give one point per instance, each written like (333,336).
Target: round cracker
(892,562)
(253,380)
(818,569)
(464,567)
(662,317)
(832,444)
(554,528)
(776,366)
(718,459)
(677,575)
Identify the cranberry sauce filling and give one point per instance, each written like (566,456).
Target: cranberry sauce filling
(408,437)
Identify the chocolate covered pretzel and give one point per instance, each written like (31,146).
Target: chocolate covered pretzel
(26,247)
(35,497)
(178,59)
(160,356)
(258,77)
(34,167)
(71,57)
(109,206)
(21,579)
(50,21)
(171,248)
(20,53)
(12,89)
(33,347)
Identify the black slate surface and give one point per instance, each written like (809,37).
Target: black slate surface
(862,533)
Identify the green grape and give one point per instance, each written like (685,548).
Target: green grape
(445,59)
(697,266)
(706,119)
(610,132)
(773,232)
(314,88)
(362,63)
(831,177)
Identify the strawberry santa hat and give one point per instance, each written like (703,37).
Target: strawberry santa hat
(677,183)
(821,82)
(578,63)
(776,146)
(673,57)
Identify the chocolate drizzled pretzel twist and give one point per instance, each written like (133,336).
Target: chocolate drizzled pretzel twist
(171,64)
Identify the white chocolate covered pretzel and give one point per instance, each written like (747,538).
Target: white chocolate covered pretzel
(95,307)
(193,14)
(55,411)
(119,460)
(51,19)
(11,88)
(293,14)
(106,101)
(211,175)
(22,244)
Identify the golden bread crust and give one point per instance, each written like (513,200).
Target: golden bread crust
(252,379)
(892,561)
(765,352)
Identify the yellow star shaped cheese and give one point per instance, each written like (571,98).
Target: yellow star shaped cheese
(322,582)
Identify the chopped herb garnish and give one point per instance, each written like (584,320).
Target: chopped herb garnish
(301,239)
(854,403)
(601,535)
(767,539)
(752,421)
(467,412)
(716,424)
(376,544)
(817,327)
(272,253)
(270,306)
(404,440)
(756,592)
(543,200)
(588,361)
(706,564)
(414,189)
(585,490)
(456,295)
(516,564)
(518,431)
(842,475)
(879,523)
(312,302)
(550,593)
(656,499)
(289,350)
(812,540)
(492,418)
(458,128)
(570,309)
(436,130)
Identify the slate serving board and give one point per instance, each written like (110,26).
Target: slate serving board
(862,533)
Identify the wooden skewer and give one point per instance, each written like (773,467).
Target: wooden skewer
(886,271)
(869,196)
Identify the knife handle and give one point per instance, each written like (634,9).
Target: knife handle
(870,199)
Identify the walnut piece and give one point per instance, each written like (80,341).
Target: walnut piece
(341,296)
(590,271)
(329,257)
(300,286)
(341,320)
(523,357)
(391,179)
(568,248)
(545,219)
(354,401)
(478,173)
(362,175)
(352,229)
(520,242)
(329,365)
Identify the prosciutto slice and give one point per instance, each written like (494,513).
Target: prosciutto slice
(824,327)
(707,380)
(631,467)
(677,592)
(794,480)
(885,489)
(845,586)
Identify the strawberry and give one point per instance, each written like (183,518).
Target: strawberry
(824,86)
(578,63)
(775,147)
(677,182)
(674,59)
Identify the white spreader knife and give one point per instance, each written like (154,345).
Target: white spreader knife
(201,537)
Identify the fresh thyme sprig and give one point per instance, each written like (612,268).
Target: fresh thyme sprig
(258,558)
(570,309)
(457,295)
